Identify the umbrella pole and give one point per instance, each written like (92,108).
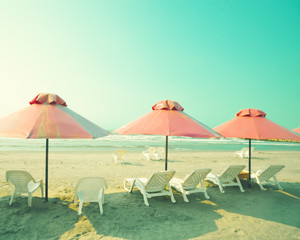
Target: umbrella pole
(249,181)
(166,157)
(46,183)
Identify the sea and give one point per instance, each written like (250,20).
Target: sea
(141,143)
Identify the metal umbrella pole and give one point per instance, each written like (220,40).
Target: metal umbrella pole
(46,173)
(249,164)
(166,156)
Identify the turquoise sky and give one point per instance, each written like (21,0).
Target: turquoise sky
(112,60)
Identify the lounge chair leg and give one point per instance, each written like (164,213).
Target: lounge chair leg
(29,199)
(206,195)
(146,200)
(261,186)
(42,191)
(221,188)
(80,207)
(204,190)
(184,196)
(240,185)
(102,196)
(275,179)
(100,206)
(12,197)
(171,194)
(131,186)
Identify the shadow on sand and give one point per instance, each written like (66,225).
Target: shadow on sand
(41,221)
(132,164)
(161,220)
(281,206)
(126,216)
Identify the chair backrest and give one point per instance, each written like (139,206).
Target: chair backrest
(161,151)
(245,149)
(194,178)
(91,187)
(152,150)
(231,172)
(19,179)
(120,153)
(158,181)
(270,172)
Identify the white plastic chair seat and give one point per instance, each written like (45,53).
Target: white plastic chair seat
(190,183)
(119,154)
(264,176)
(246,154)
(151,153)
(154,186)
(90,189)
(228,178)
(160,152)
(24,183)
(33,186)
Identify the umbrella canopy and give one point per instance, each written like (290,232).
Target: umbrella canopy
(48,117)
(253,124)
(167,118)
(297,130)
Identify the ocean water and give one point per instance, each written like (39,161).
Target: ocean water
(142,142)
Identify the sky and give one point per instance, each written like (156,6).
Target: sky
(111,60)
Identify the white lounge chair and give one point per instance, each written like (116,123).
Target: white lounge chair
(119,154)
(23,183)
(190,183)
(246,154)
(228,178)
(241,153)
(264,176)
(150,153)
(154,186)
(90,189)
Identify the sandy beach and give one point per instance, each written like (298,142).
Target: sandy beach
(255,214)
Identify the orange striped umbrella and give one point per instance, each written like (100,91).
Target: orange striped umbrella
(48,117)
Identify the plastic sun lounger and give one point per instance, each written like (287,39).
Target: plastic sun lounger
(264,176)
(241,153)
(90,189)
(154,186)
(228,178)
(24,183)
(190,183)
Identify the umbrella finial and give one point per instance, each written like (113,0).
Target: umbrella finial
(167,105)
(48,98)
(251,112)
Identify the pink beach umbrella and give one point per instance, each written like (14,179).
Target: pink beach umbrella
(168,119)
(253,124)
(297,130)
(48,117)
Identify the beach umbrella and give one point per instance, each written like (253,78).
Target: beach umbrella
(48,117)
(168,119)
(297,130)
(253,124)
